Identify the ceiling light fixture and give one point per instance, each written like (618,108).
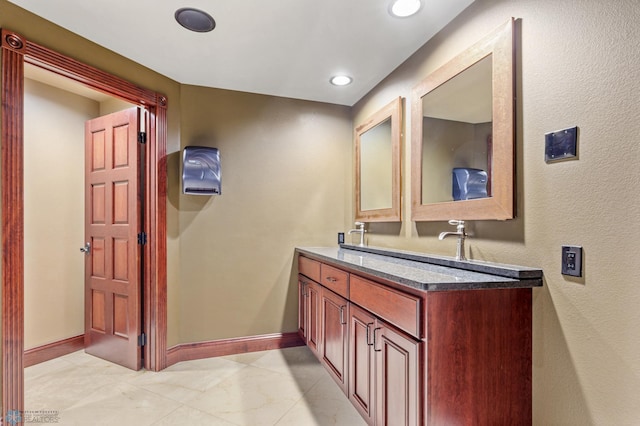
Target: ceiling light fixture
(341,80)
(404,8)
(195,20)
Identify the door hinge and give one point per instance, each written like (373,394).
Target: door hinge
(142,339)
(142,137)
(142,238)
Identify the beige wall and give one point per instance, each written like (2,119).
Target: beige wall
(284,163)
(577,65)
(53,212)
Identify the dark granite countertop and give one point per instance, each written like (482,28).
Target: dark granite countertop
(426,272)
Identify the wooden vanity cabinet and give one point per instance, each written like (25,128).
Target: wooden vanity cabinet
(421,357)
(384,371)
(323,325)
(376,365)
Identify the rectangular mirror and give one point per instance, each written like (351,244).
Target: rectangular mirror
(377,156)
(463,135)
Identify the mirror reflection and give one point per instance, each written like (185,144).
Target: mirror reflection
(377,158)
(375,169)
(457,134)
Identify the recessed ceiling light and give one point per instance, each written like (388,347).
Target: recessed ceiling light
(404,8)
(341,80)
(195,20)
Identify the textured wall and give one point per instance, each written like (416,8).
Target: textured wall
(284,165)
(578,64)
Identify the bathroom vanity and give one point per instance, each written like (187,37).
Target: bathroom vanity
(413,339)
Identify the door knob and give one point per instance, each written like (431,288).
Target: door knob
(86,249)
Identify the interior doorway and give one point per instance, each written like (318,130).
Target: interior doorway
(16,52)
(56,111)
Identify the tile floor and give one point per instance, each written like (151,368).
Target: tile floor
(279,387)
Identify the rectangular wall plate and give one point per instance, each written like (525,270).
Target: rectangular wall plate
(572,261)
(561,145)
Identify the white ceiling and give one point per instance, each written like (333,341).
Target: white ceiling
(286,48)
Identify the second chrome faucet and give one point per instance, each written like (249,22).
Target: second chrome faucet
(461,233)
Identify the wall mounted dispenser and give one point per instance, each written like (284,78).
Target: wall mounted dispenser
(201,171)
(469,183)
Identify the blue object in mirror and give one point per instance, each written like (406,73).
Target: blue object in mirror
(469,183)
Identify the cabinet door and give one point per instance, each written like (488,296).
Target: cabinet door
(302,309)
(397,360)
(312,317)
(361,362)
(334,336)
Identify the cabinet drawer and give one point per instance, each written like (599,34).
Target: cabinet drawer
(335,280)
(397,308)
(309,268)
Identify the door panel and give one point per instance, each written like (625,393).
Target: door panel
(302,309)
(112,223)
(397,378)
(361,362)
(313,317)
(334,336)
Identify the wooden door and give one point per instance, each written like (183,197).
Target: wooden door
(112,223)
(361,362)
(397,377)
(334,341)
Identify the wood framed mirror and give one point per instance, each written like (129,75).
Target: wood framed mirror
(377,165)
(462,133)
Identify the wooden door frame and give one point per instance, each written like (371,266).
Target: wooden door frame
(16,51)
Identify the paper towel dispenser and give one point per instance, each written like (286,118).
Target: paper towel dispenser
(469,183)
(201,171)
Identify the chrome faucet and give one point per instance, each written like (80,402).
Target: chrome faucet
(359,230)
(460,233)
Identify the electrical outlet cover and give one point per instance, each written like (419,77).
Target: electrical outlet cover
(561,145)
(572,261)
